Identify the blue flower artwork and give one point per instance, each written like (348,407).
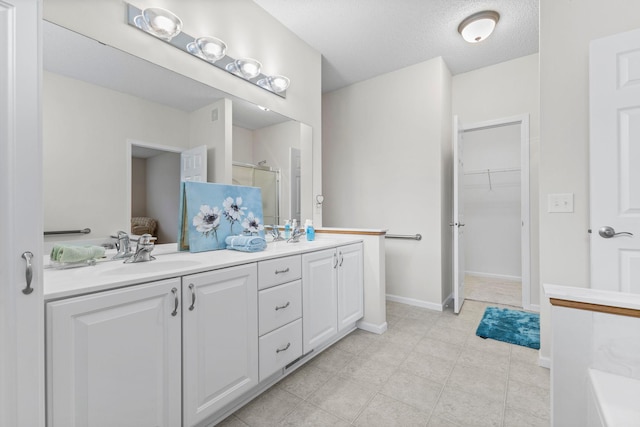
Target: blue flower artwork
(211,212)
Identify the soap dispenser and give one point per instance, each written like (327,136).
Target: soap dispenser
(308,228)
(287,229)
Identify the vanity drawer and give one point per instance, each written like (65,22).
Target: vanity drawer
(276,271)
(279,305)
(279,348)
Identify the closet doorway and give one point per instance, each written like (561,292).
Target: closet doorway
(495,194)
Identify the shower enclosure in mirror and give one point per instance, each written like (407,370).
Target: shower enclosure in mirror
(265,178)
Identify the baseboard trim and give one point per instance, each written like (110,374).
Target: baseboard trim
(545,362)
(372,327)
(534,307)
(493,276)
(415,302)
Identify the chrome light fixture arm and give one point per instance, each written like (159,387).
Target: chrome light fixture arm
(244,68)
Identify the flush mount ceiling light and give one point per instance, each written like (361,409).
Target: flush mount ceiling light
(166,26)
(479,26)
(210,49)
(162,23)
(245,67)
(274,83)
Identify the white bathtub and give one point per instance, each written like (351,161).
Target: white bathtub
(613,400)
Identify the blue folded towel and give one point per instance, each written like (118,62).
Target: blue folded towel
(246,243)
(70,253)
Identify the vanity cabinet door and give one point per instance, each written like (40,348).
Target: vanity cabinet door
(113,358)
(350,285)
(220,339)
(319,298)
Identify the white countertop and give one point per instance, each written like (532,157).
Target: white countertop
(169,263)
(593,296)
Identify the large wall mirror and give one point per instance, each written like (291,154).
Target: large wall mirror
(114,126)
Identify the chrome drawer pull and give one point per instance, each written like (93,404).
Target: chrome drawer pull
(193,297)
(282,307)
(28,272)
(286,270)
(284,349)
(174,291)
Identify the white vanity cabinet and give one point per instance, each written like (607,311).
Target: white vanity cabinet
(350,285)
(280,313)
(183,351)
(332,293)
(114,358)
(220,339)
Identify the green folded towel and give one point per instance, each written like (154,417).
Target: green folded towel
(69,253)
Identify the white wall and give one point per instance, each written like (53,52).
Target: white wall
(138,187)
(566,27)
(85,154)
(248,31)
(492,202)
(217,136)
(242,145)
(273,144)
(383,168)
(163,194)
(504,90)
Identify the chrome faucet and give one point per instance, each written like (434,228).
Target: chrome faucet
(123,245)
(143,250)
(275,232)
(296,233)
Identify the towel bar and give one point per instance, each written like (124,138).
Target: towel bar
(404,236)
(83,231)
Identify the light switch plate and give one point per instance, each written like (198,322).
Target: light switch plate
(560,202)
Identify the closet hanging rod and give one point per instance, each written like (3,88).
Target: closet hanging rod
(404,236)
(483,171)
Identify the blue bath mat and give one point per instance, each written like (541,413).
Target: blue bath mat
(512,326)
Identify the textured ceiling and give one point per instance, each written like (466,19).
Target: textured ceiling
(360,39)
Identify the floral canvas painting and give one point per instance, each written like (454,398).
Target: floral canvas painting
(211,212)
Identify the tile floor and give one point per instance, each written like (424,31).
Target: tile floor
(428,369)
(501,291)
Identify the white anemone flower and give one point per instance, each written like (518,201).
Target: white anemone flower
(233,209)
(207,220)
(251,224)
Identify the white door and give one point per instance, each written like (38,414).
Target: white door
(614,66)
(350,285)
(21,314)
(319,298)
(220,339)
(458,218)
(113,358)
(193,164)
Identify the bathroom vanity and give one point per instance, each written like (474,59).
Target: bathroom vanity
(188,338)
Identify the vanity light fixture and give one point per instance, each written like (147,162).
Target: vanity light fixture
(274,83)
(210,49)
(246,68)
(161,23)
(166,26)
(479,26)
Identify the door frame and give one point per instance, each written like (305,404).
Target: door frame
(525,202)
(22,373)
